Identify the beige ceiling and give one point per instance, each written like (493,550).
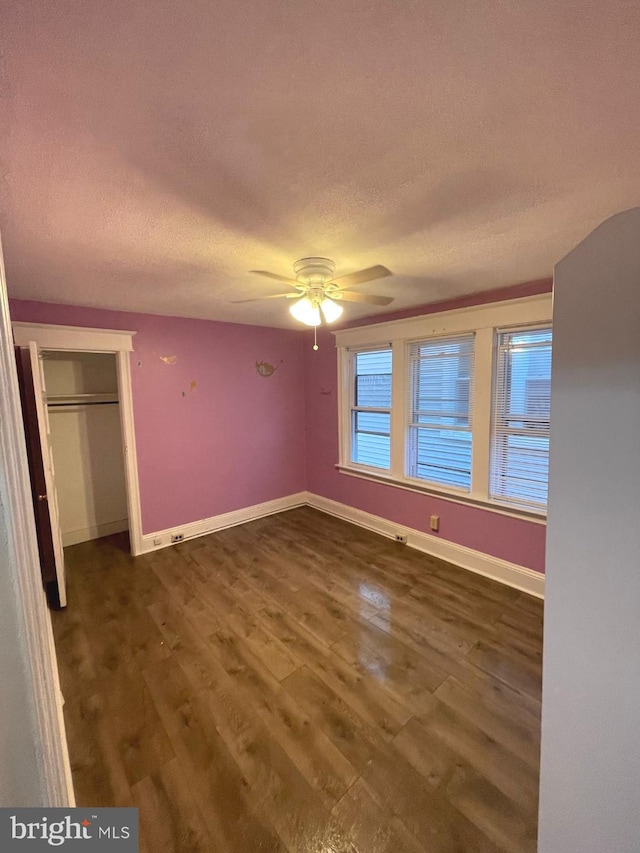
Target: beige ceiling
(153,152)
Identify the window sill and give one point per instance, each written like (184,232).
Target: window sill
(443,494)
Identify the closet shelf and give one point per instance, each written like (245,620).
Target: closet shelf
(81,399)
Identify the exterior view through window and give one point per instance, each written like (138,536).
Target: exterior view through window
(520,433)
(371,409)
(439,437)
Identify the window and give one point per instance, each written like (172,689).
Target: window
(455,403)
(439,430)
(520,427)
(371,409)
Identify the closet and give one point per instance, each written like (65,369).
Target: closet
(86,443)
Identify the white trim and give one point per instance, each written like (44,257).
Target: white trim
(129,450)
(162,538)
(510,312)
(96,531)
(79,339)
(499,570)
(399,410)
(482,391)
(72,337)
(344,403)
(36,635)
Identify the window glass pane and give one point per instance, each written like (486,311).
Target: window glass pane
(373,379)
(374,450)
(370,430)
(371,442)
(524,469)
(440,382)
(521,412)
(442,456)
(377,422)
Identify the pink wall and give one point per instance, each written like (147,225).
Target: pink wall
(513,539)
(235,440)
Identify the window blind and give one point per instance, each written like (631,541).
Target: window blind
(440,417)
(520,425)
(371,408)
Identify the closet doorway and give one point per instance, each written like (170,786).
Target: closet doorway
(76,393)
(86,443)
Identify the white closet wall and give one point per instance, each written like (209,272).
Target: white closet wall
(87,444)
(590,768)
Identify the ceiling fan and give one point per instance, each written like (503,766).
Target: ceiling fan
(318,292)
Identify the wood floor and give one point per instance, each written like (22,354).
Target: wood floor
(298,684)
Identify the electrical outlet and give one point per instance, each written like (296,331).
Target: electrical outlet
(177,537)
(434,523)
(401,538)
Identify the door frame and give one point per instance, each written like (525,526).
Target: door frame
(119,343)
(35,640)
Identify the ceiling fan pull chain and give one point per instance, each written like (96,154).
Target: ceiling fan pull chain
(315,337)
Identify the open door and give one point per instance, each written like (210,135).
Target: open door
(49,495)
(36,475)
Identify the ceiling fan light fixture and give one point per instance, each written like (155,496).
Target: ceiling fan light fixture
(306,311)
(318,293)
(331,310)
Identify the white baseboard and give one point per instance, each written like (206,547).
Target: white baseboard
(507,573)
(162,538)
(83,534)
(510,574)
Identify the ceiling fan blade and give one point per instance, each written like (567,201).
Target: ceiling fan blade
(353,296)
(360,277)
(276,277)
(270,296)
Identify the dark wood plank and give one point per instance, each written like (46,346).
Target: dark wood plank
(495,692)
(140,737)
(75,659)
(511,665)
(377,655)
(516,779)
(512,827)
(97,765)
(347,731)
(374,704)
(322,764)
(217,782)
(169,819)
(427,815)
(372,826)
(496,721)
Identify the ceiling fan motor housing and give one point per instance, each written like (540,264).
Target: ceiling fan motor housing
(314,270)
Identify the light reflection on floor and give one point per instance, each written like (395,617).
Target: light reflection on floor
(374,595)
(370,594)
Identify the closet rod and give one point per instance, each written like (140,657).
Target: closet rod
(95,403)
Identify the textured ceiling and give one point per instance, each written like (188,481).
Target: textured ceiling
(153,152)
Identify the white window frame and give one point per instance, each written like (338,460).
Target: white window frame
(482,320)
(407,420)
(501,501)
(353,408)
